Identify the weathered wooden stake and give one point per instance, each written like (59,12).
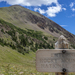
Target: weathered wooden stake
(62,43)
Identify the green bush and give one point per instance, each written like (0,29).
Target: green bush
(53,39)
(2,30)
(46,38)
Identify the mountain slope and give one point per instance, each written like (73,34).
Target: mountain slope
(12,62)
(25,18)
(23,40)
(22,32)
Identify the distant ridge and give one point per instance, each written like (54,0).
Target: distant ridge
(25,18)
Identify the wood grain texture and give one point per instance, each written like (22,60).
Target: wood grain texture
(62,43)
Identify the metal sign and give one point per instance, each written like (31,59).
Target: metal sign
(55,60)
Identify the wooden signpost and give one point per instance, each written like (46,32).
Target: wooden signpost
(55,60)
(60,60)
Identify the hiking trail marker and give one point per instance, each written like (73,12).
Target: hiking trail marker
(60,60)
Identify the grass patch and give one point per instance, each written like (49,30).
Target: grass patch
(14,63)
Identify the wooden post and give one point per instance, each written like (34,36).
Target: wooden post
(62,43)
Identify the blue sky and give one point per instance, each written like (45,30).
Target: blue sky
(60,11)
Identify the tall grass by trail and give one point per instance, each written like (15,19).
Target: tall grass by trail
(9,69)
(15,63)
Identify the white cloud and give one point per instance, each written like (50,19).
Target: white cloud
(63,25)
(12,2)
(30,2)
(73,15)
(35,9)
(64,8)
(42,11)
(72,4)
(52,11)
(73,9)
